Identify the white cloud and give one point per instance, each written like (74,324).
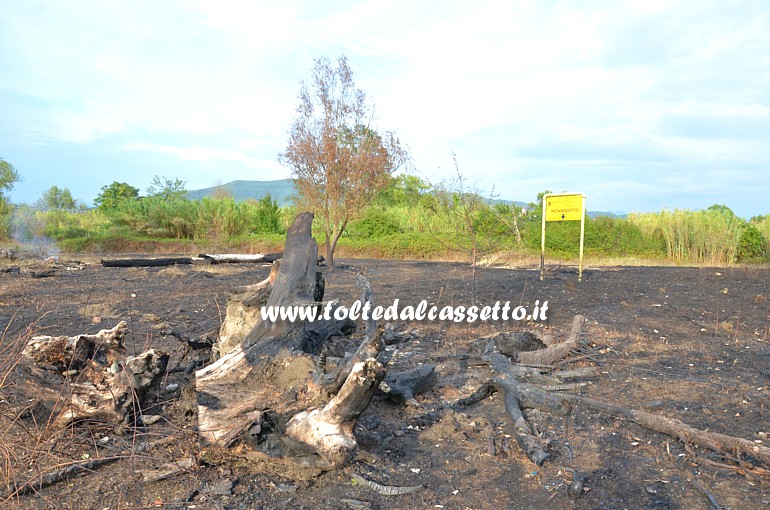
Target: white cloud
(193,153)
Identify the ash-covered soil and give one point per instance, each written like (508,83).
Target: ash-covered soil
(689,343)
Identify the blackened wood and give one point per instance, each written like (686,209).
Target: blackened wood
(154,262)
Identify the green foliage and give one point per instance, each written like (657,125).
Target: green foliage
(711,236)
(6,215)
(208,218)
(488,221)
(752,244)
(167,189)
(29,223)
(618,238)
(403,190)
(762,223)
(406,245)
(375,223)
(721,209)
(57,198)
(9,176)
(268,216)
(60,224)
(113,195)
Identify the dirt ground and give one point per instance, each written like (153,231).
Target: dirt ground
(689,343)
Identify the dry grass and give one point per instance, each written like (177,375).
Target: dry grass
(34,451)
(26,448)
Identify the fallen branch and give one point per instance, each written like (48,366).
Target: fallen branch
(712,500)
(43,274)
(65,473)
(403,386)
(519,394)
(386,490)
(555,352)
(147,262)
(167,470)
(720,443)
(523,433)
(532,396)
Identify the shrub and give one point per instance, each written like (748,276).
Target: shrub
(375,223)
(752,244)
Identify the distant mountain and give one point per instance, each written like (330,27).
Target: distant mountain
(493,201)
(280,190)
(596,214)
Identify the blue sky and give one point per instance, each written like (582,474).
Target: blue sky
(642,105)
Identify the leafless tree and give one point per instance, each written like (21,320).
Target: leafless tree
(339,162)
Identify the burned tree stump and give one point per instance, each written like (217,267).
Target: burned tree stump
(88,377)
(264,390)
(243,313)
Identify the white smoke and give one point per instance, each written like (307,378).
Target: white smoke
(27,231)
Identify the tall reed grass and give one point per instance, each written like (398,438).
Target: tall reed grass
(708,236)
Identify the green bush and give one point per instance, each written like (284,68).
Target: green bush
(408,245)
(375,223)
(6,214)
(619,238)
(752,244)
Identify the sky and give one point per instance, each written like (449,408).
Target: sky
(641,105)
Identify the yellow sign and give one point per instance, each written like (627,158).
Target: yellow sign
(563,207)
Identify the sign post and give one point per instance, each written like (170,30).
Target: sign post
(563,207)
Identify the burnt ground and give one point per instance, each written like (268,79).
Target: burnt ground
(690,343)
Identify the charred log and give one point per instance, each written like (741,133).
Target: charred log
(155,262)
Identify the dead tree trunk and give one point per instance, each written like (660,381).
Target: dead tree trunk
(264,385)
(243,313)
(88,377)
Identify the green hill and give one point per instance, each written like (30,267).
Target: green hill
(280,190)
